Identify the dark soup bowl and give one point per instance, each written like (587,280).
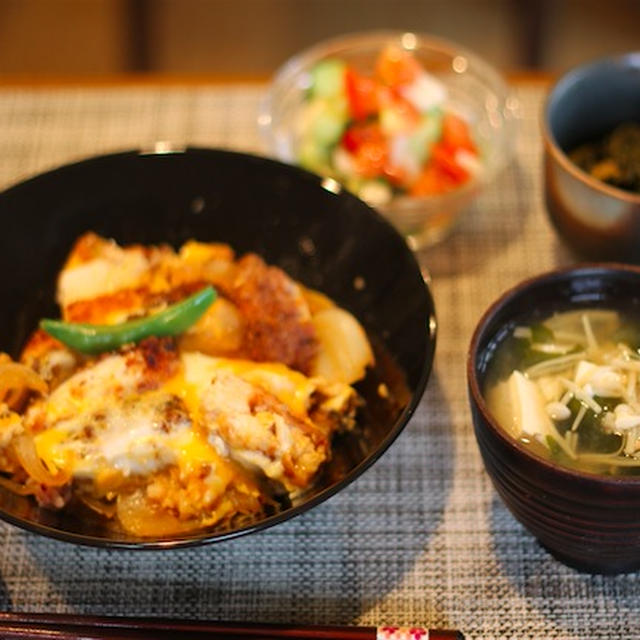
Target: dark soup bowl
(593,213)
(325,238)
(567,473)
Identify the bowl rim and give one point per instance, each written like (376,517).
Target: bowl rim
(408,39)
(476,397)
(414,39)
(549,139)
(206,537)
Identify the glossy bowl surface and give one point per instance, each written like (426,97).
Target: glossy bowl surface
(330,241)
(474,88)
(588,521)
(597,220)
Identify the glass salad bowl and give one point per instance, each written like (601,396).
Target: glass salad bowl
(415,126)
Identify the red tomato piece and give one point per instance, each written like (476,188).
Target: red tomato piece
(360,133)
(456,134)
(395,66)
(362,94)
(351,139)
(371,158)
(369,148)
(397,176)
(443,156)
(431,181)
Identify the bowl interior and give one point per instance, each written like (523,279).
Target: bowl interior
(605,286)
(592,99)
(330,241)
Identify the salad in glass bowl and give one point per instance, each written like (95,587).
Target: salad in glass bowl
(386,133)
(412,125)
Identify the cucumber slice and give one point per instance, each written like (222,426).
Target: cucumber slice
(327,78)
(323,120)
(314,157)
(327,127)
(429,131)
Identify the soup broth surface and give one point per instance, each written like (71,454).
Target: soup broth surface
(568,387)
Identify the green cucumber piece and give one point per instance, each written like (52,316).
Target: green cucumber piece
(327,78)
(429,131)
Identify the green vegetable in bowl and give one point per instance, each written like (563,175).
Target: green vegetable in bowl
(91,338)
(614,158)
(327,78)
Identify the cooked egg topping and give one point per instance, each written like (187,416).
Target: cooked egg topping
(118,416)
(290,387)
(103,419)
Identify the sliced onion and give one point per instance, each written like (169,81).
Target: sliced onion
(15,379)
(25,450)
(139,516)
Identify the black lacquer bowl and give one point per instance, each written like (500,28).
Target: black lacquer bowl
(330,241)
(589,521)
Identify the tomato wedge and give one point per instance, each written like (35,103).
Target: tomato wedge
(432,181)
(456,134)
(362,94)
(444,157)
(369,148)
(396,67)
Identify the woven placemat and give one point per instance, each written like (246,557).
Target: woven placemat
(421,537)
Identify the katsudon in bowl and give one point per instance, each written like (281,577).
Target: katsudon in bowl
(202,348)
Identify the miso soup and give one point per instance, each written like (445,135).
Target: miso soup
(568,387)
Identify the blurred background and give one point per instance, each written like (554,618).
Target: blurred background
(251,38)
